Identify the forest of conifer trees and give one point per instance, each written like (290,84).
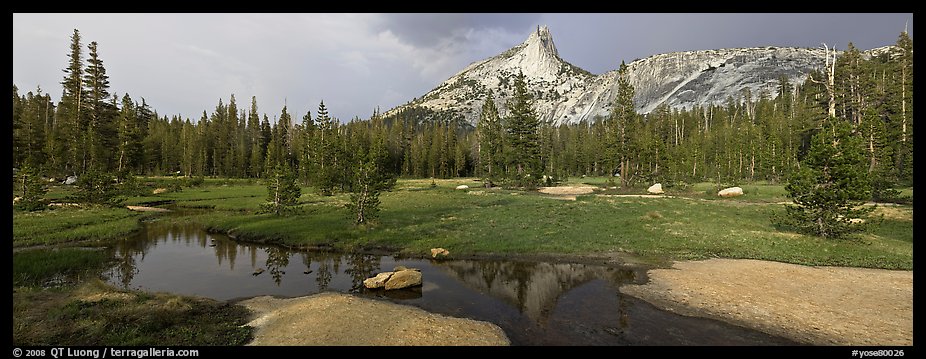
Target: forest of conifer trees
(758,136)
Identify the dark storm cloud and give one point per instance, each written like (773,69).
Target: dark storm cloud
(429,29)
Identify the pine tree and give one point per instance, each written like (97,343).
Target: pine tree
(31,133)
(71,121)
(370,179)
(307,135)
(831,184)
(100,136)
(285,125)
(266,134)
(283,190)
(904,152)
(219,132)
(190,146)
(253,141)
(489,132)
(143,115)
(326,152)
(623,127)
(30,189)
(523,130)
(96,187)
(230,132)
(364,200)
(128,134)
(18,124)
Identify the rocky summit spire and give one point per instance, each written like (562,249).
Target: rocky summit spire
(543,40)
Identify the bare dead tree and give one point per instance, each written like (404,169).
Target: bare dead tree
(830,71)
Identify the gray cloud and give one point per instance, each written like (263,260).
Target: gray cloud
(428,30)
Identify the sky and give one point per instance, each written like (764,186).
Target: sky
(182,64)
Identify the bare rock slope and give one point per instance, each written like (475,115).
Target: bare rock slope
(565,93)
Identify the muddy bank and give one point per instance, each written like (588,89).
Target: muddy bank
(815,305)
(342,319)
(146,209)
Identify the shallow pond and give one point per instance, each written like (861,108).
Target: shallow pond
(536,303)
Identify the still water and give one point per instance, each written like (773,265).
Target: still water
(535,303)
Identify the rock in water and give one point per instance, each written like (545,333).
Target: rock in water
(403,279)
(439,251)
(258,271)
(462,186)
(378,281)
(655,189)
(730,192)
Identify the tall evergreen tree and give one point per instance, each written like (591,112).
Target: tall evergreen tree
(307,135)
(71,122)
(523,130)
(100,136)
(326,154)
(904,151)
(129,139)
(18,124)
(35,108)
(253,141)
(230,136)
(623,127)
(489,133)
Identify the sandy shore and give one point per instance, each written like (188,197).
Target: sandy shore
(342,319)
(815,305)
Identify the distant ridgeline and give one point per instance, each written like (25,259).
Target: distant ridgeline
(725,115)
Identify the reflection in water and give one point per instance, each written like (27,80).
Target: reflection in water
(126,268)
(532,287)
(361,266)
(535,303)
(324,274)
(277,260)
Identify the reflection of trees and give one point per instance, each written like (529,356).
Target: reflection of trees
(126,270)
(225,248)
(277,260)
(323,277)
(621,277)
(127,253)
(307,260)
(360,267)
(253,258)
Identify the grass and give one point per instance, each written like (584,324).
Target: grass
(37,267)
(62,225)
(220,197)
(416,217)
(599,181)
(97,314)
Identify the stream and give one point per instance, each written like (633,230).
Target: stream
(535,303)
